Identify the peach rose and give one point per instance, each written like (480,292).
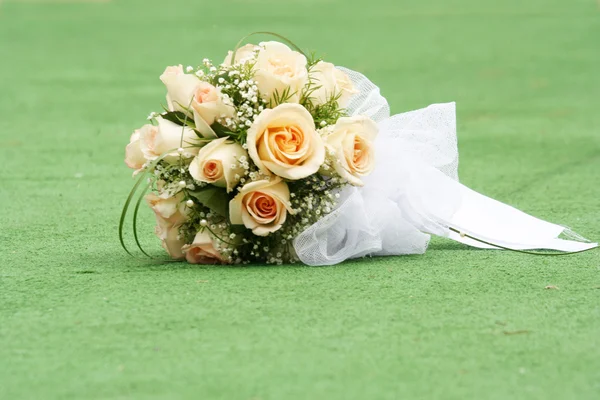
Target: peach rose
(244,53)
(207,106)
(261,206)
(166,138)
(214,161)
(331,82)
(202,250)
(134,157)
(351,142)
(170,214)
(284,141)
(277,68)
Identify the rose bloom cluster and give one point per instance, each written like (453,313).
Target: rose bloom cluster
(249,153)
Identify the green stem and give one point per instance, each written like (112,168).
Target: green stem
(134,189)
(135,214)
(239,44)
(124,212)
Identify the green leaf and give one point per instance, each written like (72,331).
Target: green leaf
(221,131)
(238,229)
(214,198)
(179,118)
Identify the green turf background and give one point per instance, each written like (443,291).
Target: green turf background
(80,319)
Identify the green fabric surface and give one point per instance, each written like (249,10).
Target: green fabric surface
(81,319)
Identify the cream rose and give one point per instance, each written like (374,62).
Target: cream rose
(351,142)
(206,101)
(208,105)
(180,87)
(277,68)
(134,157)
(261,206)
(171,209)
(202,250)
(170,239)
(167,138)
(284,141)
(244,53)
(331,82)
(170,213)
(214,161)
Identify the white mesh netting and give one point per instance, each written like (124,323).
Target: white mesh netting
(414,189)
(416,153)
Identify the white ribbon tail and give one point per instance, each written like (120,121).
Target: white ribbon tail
(496,223)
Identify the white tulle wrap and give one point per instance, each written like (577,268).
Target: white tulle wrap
(414,191)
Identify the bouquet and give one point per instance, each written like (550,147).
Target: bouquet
(273,156)
(250,153)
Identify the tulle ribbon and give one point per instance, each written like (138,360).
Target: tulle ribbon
(414,192)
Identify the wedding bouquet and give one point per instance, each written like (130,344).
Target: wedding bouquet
(275,156)
(250,153)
